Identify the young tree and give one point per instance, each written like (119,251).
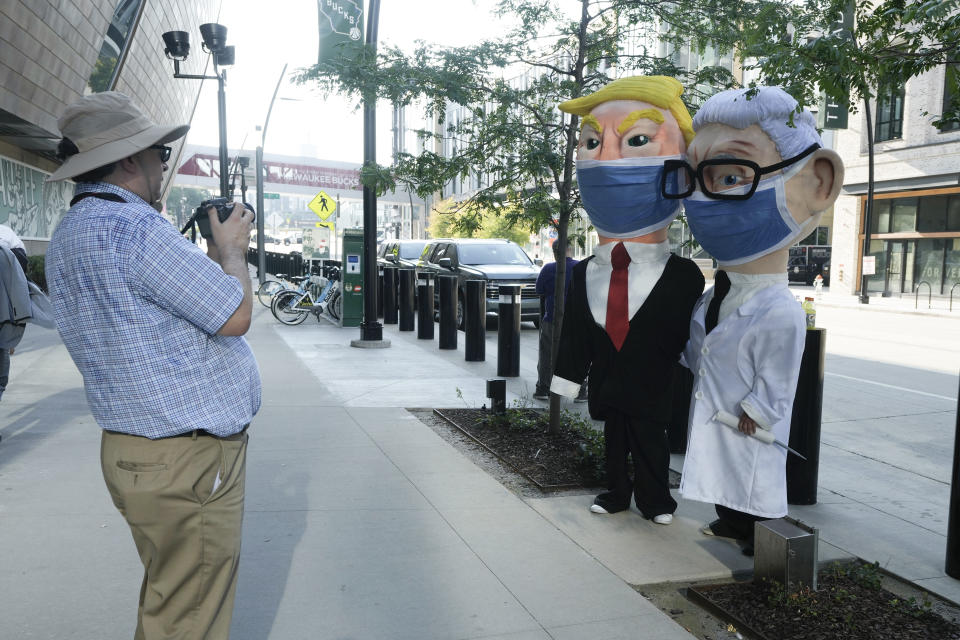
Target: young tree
(506,131)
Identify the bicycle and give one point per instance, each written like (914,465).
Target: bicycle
(291,307)
(270,288)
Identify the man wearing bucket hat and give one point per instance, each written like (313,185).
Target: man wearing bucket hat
(626,319)
(155,328)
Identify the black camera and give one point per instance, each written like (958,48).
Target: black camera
(224,208)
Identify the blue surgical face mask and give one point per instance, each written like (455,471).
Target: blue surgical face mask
(622,197)
(738,231)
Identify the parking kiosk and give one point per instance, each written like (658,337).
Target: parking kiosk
(352,275)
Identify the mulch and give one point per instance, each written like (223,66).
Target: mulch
(849,604)
(571,457)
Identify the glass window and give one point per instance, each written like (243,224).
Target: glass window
(818,236)
(904,215)
(952,266)
(493,254)
(881,217)
(114,45)
(877,281)
(932,214)
(889,114)
(951,89)
(930,262)
(953,213)
(410,250)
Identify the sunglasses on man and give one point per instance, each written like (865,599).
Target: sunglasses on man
(164,150)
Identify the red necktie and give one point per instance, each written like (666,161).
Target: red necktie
(618,323)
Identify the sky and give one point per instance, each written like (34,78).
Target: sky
(303,122)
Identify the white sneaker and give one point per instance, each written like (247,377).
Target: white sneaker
(595,508)
(663,518)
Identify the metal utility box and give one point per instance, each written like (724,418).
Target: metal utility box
(785,550)
(352,278)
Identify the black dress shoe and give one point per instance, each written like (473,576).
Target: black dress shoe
(746,547)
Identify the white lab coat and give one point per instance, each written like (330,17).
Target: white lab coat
(749,362)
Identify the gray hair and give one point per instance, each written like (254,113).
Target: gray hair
(772,108)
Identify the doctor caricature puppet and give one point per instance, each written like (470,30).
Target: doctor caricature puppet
(756,181)
(626,318)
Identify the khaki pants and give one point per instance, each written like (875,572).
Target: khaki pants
(187,534)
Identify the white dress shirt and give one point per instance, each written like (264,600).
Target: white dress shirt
(744,286)
(647,262)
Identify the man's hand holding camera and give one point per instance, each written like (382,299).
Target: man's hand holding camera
(227,245)
(234,232)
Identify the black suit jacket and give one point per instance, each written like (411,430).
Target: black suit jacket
(636,380)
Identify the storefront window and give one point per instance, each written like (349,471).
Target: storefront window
(904,215)
(932,215)
(881,217)
(875,282)
(953,213)
(952,264)
(930,262)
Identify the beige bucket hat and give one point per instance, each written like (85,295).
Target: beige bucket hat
(107,127)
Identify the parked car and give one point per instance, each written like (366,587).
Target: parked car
(807,262)
(402,254)
(497,261)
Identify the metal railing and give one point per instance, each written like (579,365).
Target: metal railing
(916,295)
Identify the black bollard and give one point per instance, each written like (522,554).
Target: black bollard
(389,295)
(408,279)
(380,294)
(805,423)
(448,311)
(497,392)
(475,321)
(508,331)
(425,306)
(953,523)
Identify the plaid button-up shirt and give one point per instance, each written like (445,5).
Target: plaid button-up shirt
(139,307)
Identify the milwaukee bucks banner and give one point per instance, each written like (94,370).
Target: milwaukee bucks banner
(341,27)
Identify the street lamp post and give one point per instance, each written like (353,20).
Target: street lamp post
(177,48)
(261,256)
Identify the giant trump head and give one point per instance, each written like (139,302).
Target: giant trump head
(629,129)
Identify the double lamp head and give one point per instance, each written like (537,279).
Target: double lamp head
(177,44)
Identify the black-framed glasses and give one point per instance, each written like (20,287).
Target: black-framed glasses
(164,150)
(718,177)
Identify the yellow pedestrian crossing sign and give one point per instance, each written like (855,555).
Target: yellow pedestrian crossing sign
(323,205)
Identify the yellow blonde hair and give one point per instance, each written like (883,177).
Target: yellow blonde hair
(661,91)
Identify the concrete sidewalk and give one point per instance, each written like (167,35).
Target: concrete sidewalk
(362,523)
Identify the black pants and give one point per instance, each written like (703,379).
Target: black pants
(737,521)
(646,442)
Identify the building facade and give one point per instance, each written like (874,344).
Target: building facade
(55,52)
(915,224)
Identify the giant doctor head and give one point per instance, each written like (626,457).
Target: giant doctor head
(629,128)
(756,179)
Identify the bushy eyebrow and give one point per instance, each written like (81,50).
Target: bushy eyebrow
(589,120)
(631,119)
